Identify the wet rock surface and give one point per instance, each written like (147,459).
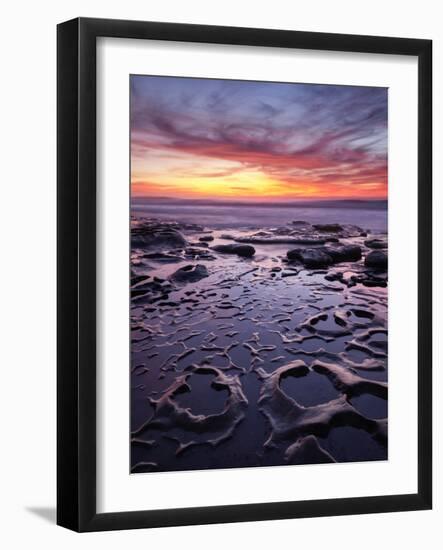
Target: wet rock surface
(275,356)
(377,259)
(243,250)
(346,253)
(324,256)
(190,273)
(307,450)
(329,227)
(152,235)
(376,243)
(311,257)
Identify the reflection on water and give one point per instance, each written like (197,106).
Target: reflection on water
(211,380)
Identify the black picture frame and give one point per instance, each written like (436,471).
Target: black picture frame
(77,248)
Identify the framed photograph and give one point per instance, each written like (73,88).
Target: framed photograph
(244,274)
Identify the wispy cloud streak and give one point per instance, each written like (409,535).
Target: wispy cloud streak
(217,137)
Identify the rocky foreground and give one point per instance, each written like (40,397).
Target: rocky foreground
(257,347)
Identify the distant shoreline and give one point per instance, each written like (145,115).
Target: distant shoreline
(373,204)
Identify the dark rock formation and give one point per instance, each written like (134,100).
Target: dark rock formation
(271,239)
(310,257)
(157,236)
(328,227)
(244,250)
(206,238)
(377,259)
(190,273)
(375,243)
(324,256)
(346,253)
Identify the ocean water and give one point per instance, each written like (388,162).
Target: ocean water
(223,216)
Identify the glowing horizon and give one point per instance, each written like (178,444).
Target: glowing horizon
(225,139)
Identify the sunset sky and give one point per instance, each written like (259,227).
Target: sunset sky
(226,139)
